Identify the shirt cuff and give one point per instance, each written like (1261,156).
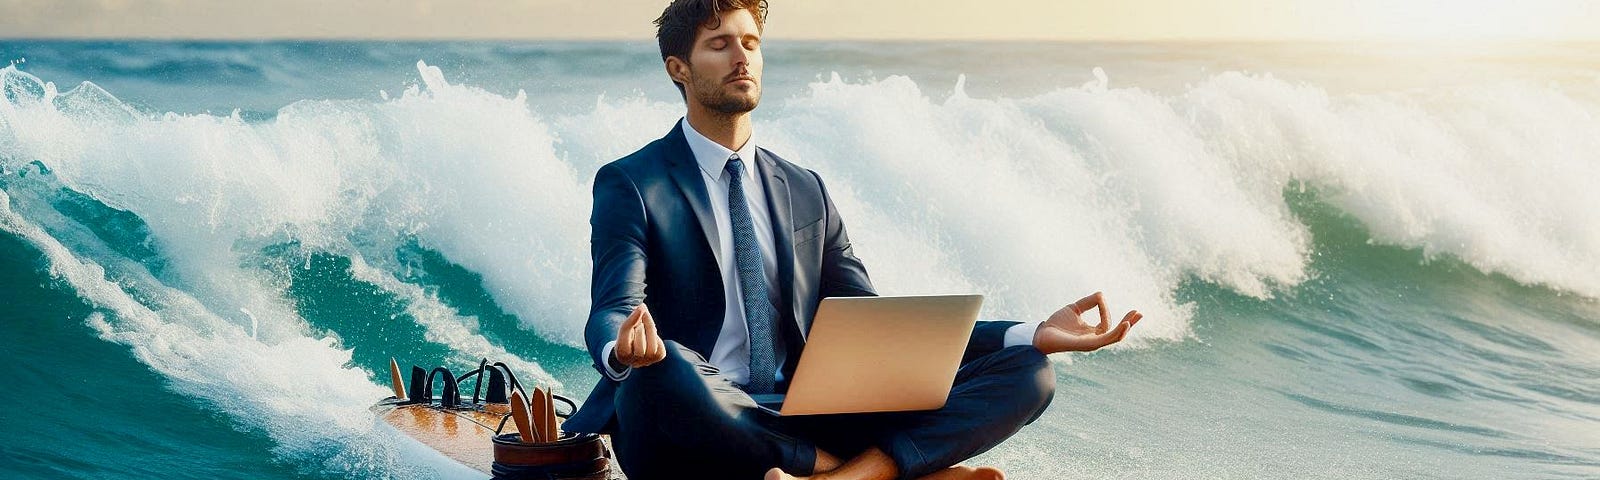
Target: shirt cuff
(605,363)
(1021,334)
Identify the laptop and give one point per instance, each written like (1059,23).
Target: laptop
(879,354)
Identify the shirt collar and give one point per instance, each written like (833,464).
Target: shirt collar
(713,157)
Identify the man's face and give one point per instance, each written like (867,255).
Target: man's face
(724,68)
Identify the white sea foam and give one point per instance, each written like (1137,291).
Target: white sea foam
(299,390)
(1129,191)
(214,190)
(1033,200)
(446,327)
(1496,175)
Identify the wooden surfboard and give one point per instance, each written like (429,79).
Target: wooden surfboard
(455,443)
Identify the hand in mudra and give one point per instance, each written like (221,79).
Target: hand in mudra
(638,344)
(1065,330)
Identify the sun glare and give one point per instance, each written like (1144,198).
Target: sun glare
(1470,19)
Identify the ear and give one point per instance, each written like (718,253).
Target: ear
(677,70)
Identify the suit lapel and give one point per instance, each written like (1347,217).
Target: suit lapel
(777,188)
(686,173)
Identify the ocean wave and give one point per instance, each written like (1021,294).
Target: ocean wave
(1165,187)
(1029,199)
(298,390)
(1033,201)
(206,193)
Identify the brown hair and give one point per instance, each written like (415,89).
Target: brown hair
(679,23)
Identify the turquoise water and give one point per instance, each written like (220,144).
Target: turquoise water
(1370,261)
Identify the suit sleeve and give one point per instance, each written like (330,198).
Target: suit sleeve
(616,242)
(843,275)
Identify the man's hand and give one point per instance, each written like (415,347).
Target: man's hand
(638,345)
(1065,330)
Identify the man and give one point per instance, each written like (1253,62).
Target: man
(734,247)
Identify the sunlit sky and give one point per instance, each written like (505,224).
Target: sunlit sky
(817,19)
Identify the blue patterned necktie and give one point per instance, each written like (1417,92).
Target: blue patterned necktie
(758,311)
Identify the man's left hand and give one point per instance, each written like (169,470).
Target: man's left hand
(1065,330)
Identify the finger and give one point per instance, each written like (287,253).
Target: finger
(633,319)
(1089,302)
(648,321)
(636,336)
(1116,334)
(1085,303)
(625,345)
(1099,300)
(1105,313)
(1070,311)
(655,348)
(626,335)
(1132,316)
(660,349)
(651,350)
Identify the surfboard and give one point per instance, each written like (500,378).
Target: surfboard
(456,443)
(459,441)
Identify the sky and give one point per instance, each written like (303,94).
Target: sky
(1112,20)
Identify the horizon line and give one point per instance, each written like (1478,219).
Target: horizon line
(818,39)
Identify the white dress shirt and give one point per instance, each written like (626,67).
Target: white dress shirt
(731,354)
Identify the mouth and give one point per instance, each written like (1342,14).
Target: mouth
(752,80)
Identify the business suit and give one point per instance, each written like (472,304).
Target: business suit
(652,238)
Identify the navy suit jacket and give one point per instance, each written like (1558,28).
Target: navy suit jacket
(653,240)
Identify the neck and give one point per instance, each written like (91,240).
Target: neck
(730,130)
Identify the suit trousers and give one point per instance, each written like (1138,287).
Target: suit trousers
(681,417)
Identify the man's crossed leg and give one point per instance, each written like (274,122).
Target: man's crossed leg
(680,417)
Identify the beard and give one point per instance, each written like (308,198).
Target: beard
(713,94)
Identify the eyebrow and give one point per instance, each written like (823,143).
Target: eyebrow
(730,36)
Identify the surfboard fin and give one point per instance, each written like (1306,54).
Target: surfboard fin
(394,380)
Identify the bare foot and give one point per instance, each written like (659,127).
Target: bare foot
(963,472)
(825,462)
(778,474)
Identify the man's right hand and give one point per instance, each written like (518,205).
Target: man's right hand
(638,344)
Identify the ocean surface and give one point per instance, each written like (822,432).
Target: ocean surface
(1355,260)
